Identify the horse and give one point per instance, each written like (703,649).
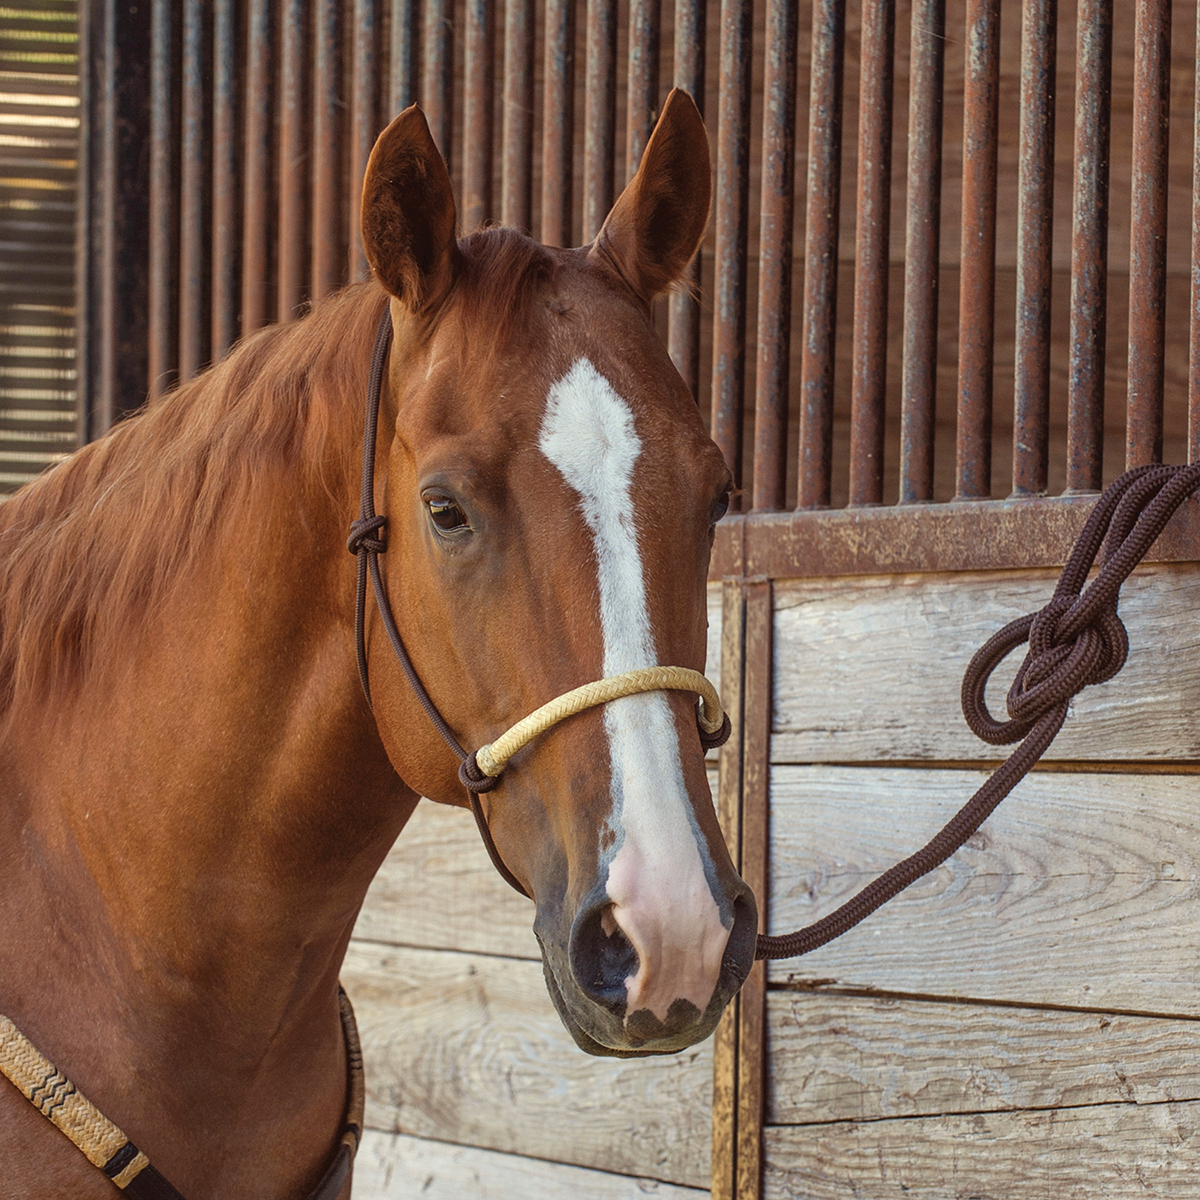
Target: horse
(197,791)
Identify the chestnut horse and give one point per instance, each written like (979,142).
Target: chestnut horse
(196,793)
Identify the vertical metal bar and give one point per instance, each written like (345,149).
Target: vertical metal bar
(293,160)
(641,108)
(226,235)
(775,257)
(477,114)
(401,90)
(164,329)
(922,245)
(599,114)
(821,253)
(558,123)
(516,181)
(1194,356)
(683,328)
(1089,246)
(437,73)
(364,108)
(256,168)
(193,299)
(1148,232)
(869,381)
(327,252)
(977,280)
(1035,233)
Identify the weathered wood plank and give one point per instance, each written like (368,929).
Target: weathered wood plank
(468,1049)
(864,1058)
(397,1167)
(1105,1152)
(1082,890)
(871,670)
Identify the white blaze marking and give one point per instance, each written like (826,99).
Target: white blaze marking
(656,877)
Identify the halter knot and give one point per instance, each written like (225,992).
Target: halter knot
(360,537)
(472,778)
(711,741)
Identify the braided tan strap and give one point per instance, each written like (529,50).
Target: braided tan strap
(493,757)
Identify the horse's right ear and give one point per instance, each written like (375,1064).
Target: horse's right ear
(408,215)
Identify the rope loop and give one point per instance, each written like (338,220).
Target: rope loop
(710,741)
(472,778)
(361,529)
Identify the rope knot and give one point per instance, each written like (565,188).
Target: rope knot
(473,779)
(360,537)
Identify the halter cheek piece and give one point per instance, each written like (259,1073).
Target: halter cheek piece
(480,771)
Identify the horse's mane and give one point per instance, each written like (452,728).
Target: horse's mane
(98,542)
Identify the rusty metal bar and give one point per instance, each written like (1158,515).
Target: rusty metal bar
(775,257)
(364,106)
(821,253)
(922,245)
(600,114)
(193,208)
(977,279)
(479,70)
(226,232)
(293,160)
(516,178)
(401,90)
(1148,232)
(558,123)
(1194,355)
(327,245)
(683,328)
(1035,233)
(645,20)
(437,73)
(732,221)
(256,168)
(1089,246)
(868,395)
(163,328)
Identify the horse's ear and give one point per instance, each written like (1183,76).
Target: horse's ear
(657,222)
(408,214)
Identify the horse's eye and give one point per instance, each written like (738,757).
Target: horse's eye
(720,507)
(447,515)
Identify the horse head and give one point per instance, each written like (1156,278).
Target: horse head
(551,495)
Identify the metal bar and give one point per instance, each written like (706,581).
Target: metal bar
(293,160)
(775,257)
(868,394)
(1194,347)
(364,123)
(1035,234)
(821,253)
(226,233)
(327,247)
(516,180)
(1148,232)
(1089,246)
(599,114)
(641,108)
(683,326)
(401,90)
(477,113)
(256,169)
(162,350)
(437,73)
(977,279)
(922,246)
(558,123)
(193,214)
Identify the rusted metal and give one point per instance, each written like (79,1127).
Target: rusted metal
(437,73)
(1148,232)
(225,252)
(1035,231)
(293,160)
(558,123)
(364,122)
(256,168)
(193,200)
(403,71)
(732,221)
(922,244)
(162,348)
(683,328)
(479,71)
(1089,246)
(327,162)
(775,258)
(821,254)
(599,114)
(869,380)
(516,191)
(641,108)
(1194,330)
(977,279)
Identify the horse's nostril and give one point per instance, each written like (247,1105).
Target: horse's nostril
(603,957)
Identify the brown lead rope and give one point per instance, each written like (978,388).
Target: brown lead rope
(1074,641)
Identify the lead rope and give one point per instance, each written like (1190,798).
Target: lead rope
(1074,641)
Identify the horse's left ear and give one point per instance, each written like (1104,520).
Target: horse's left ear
(657,222)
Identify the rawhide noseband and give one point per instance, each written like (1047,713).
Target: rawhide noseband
(480,771)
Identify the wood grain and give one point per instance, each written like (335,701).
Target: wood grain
(1102,1152)
(398,1167)
(1082,890)
(468,1049)
(871,671)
